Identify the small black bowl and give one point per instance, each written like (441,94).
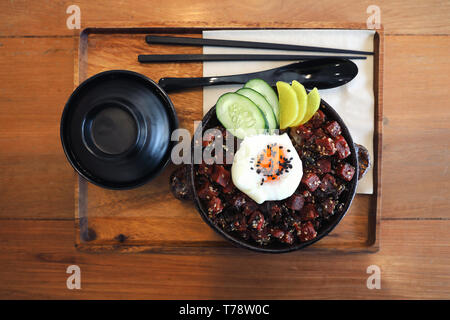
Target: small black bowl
(116,129)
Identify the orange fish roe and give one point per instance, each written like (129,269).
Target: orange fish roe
(272,162)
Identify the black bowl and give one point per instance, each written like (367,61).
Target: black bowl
(116,129)
(210,120)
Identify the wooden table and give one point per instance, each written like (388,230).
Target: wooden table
(36,182)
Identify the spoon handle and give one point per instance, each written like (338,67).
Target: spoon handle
(173,84)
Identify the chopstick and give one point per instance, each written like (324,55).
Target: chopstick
(244,44)
(147,58)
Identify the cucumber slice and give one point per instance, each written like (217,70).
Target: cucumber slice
(263,88)
(262,104)
(239,115)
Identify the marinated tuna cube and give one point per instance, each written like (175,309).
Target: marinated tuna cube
(328,183)
(256,220)
(309,212)
(326,146)
(333,128)
(316,224)
(277,233)
(295,202)
(306,231)
(238,201)
(311,180)
(307,196)
(273,210)
(229,216)
(261,236)
(221,175)
(328,207)
(307,156)
(343,150)
(300,134)
(249,207)
(205,169)
(317,119)
(245,235)
(207,191)
(215,206)
(340,187)
(319,133)
(319,195)
(323,166)
(304,131)
(346,171)
(288,238)
(240,224)
(208,138)
(229,189)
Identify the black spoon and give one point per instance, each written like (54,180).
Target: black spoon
(320,73)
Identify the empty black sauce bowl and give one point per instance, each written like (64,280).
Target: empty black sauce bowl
(116,129)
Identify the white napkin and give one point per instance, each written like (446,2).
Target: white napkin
(354,101)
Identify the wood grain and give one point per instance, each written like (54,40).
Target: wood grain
(106,52)
(416,128)
(22,17)
(36,77)
(36,198)
(31,151)
(34,255)
(144,219)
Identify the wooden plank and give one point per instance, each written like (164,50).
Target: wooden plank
(106,52)
(21,17)
(31,156)
(416,152)
(149,222)
(34,255)
(35,178)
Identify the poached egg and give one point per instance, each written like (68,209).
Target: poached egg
(267,167)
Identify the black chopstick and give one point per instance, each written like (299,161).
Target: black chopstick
(244,44)
(147,58)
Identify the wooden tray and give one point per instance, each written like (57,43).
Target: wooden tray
(148,218)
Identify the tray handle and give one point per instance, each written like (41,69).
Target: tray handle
(179,184)
(363,160)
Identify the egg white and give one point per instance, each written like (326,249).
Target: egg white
(249,181)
